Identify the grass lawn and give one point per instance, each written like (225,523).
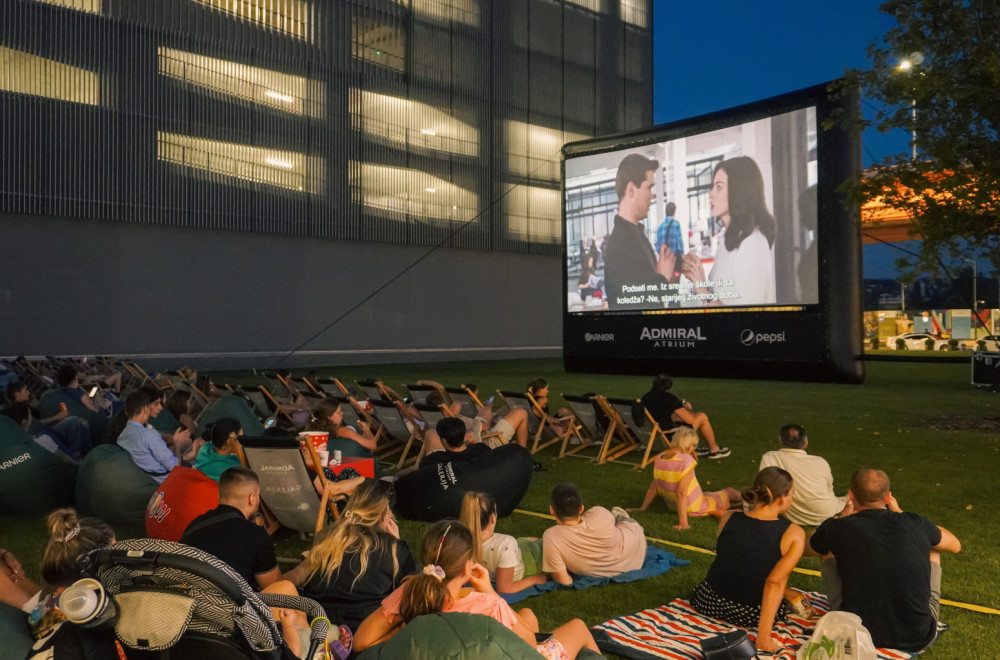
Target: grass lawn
(936,436)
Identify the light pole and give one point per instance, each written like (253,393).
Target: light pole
(975,275)
(906,65)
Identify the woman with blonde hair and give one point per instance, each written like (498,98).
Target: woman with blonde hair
(357,561)
(675,481)
(447,551)
(513,564)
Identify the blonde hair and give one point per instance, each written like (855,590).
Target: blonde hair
(357,532)
(70,537)
(477,509)
(684,439)
(446,545)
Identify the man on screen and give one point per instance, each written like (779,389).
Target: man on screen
(633,271)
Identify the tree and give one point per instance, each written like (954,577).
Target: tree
(937,75)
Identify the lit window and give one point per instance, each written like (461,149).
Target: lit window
(285,92)
(89,6)
(535,150)
(293,17)
(461,11)
(283,169)
(378,43)
(411,125)
(635,12)
(534,214)
(398,193)
(592,5)
(24,73)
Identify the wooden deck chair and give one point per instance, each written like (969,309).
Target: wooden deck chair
(333,386)
(585,419)
(138,375)
(374,389)
(617,428)
(200,400)
(538,419)
(273,404)
(397,436)
(652,438)
(286,485)
(257,402)
(470,402)
(303,384)
(419,393)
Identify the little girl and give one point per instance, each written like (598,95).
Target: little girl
(674,479)
(503,556)
(447,550)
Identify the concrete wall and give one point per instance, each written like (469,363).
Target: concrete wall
(226,300)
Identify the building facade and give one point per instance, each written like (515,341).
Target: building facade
(188,177)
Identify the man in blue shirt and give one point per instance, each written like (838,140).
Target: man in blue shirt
(669,233)
(146,446)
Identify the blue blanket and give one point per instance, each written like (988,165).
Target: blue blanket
(657,562)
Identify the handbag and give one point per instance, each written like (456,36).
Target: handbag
(732,645)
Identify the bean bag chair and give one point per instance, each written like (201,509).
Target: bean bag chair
(15,633)
(110,486)
(184,495)
(165,422)
(48,405)
(236,407)
(32,480)
(433,492)
(453,635)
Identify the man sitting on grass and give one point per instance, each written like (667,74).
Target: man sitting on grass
(596,542)
(813,499)
(883,564)
(668,410)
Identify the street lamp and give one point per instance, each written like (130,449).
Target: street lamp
(906,65)
(975,276)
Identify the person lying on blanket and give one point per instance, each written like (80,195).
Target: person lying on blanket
(755,553)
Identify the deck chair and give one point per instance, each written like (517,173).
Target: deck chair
(303,384)
(333,386)
(470,402)
(272,403)
(419,393)
(286,485)
(257,402)
(538,420)
(374,389)
(585,420)
(397,437)
(653,438)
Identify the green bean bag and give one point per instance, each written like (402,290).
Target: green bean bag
(48,405)
(453,636)
(32,480)
(236,407)
(111,486)
(15,633)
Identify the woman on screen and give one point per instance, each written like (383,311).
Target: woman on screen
(743,273)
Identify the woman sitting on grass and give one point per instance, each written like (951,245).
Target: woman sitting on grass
(447,550)
(359,560)
(755,553)
(501,554)
(674,479)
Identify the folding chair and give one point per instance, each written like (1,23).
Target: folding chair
(374,389)
(419,393)
(333,386)
(273,404)
(470,402)
(623,411)
(286,485)
(303,384)
(257,402)
(585,419)
(393,425)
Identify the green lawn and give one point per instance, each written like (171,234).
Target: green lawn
(923,423)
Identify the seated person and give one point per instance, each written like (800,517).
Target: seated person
(513,425)
(179,405)
(177,438)
(539,390)
(447,553)
(16,588)
(145,445)
(73,432)
(68,378)
(449,441)
(596,542)
(46,437)
(814,500)
(883,564)
(755,553)
(675,481)
(357,561)
(221,452)
(328,416)
(668,410)
(501,554)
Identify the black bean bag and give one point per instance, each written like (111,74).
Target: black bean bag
(32,480)
(433,492)
(112,487)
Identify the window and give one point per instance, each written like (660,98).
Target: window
(462,11)
(378,43)
(398,192)
(282,91)
(89,6)
(24,73)
(411,124)
(535,151)
(534,214)
(283,169)
(635,12)
(292,17)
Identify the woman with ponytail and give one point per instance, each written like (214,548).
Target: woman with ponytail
(447,551)
(755,553)
(327,416)
(501,555)
(357,561)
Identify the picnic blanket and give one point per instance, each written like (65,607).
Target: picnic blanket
(674,631)
(657,562)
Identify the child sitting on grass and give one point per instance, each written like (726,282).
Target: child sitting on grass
(501,555)
(674,479)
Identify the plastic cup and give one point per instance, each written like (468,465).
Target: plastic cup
(324,456)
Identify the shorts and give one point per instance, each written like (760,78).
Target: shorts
(553,650)
(708,602)
(504,428)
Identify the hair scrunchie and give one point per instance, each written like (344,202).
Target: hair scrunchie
(70,535)
(434,571)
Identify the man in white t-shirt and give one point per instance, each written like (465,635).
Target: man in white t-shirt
(596,542)
(813,500)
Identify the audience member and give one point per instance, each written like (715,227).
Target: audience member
(500,554)
(146,446)
(668,410)
(329,417)
(539,391)
(68,378)
(357,561)
(814,500)
(447,551)
(674,479)
(883,564)
(596,542)
(16,588)
(512,426)
(222,450)
(71,431)
(449,441)
(179,405)
(754,555)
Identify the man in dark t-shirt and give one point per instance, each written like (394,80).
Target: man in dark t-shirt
(226,532)
(453,435)
(883,564)
(668,410)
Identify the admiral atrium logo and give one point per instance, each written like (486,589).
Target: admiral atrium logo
(673,337)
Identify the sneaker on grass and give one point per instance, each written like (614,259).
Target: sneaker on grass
(702,450)
(721,453)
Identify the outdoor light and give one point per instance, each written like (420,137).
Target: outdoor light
(428,131)
(905,65)
(279,96)
(279,163)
